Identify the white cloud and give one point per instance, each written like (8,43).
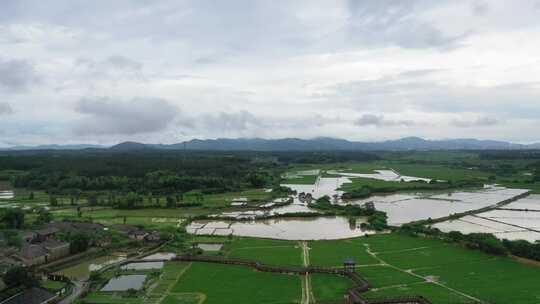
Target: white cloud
(5,108)
(254,68)
(125,117)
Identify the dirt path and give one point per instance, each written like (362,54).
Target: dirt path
(373,254)
(306,282)
(170,287)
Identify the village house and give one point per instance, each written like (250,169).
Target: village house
(137,233)
(32,254)
(46,233)
(7,262)
(28,236)
(76,227)
(55,249)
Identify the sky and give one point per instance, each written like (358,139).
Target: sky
(102,72)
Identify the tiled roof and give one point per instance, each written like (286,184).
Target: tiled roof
(32,295)
(49,244)
(33,251)
(47,231)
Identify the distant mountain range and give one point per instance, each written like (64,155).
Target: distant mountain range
(295,144)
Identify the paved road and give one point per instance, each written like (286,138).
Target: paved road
(78,288)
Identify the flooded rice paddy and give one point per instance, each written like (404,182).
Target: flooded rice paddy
(320,228)
(515,221)
(405,208)
(125,282)
(160,256)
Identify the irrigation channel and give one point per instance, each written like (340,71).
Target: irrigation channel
(353,295)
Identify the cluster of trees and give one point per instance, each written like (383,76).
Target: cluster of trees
(153,172)
(366,190)
(12,218)
(484,242)
(377,220)
(325,157)
(10,238)
(17,276)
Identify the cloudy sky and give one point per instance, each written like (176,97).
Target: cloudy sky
(165,71)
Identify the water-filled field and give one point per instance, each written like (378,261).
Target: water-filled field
(405,208)
(517,220)
(125,282)
(319,228)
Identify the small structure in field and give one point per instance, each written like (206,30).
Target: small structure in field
(349,265)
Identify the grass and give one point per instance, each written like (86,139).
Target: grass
(491,279)
(303,180)
(333,253)
(496,280)
(53,285)
(110,298)
(170,275)
(271,252)
(329,287)
(182,298)
(226,284)
(436,171)
(436,294)
(384,276)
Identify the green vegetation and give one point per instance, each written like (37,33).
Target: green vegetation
(333,253)
(53,285)
(271,252)
(478,275)
(365,187)
(236,284)
(302,180)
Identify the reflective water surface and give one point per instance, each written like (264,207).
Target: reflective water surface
(320,228)
(125,282)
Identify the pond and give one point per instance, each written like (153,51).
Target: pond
(125,282)
(319,228)
(143,266)
(161,256)
(82,270)
(210,246)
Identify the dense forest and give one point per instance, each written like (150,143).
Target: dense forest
(156,172)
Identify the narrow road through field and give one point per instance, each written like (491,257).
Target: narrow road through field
(373,254)
(78,288)
(170,287)
(306,282)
